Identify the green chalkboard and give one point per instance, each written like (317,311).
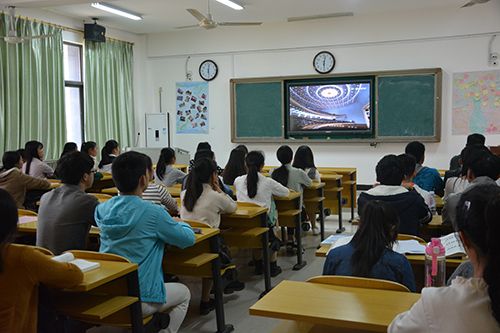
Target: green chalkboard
(259,110)
(406,106)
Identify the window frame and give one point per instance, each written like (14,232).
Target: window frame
(79,85)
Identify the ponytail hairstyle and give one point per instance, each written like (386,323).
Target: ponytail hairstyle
(108,148)
(87,146)
(378,230)
(10,159)
(304,158)
(31,152)
(200,174)
(68,148)
(242,148)
(254,162)
(477,217)
(284,155)
(8,227)
(235,166)
(167,155)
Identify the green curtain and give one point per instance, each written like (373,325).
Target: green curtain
(109,111)
(32,88)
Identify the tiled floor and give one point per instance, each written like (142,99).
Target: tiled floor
(236,305)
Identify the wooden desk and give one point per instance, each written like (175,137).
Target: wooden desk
(175,191)
(357,309)
(442,172)
(244,219)
(105,182)
(333,193)
(314,196)
(111,191)
(349,176)
(289,215)
(182,167)
(31,227)
(54,183)
(106,294)
(201,260)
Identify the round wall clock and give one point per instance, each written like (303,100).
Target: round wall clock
(208,70)
(324,62)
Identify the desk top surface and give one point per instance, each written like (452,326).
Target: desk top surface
(246,212)
(315,185)
(291,196)
(337,306)
(330,176)
(111,191)
(108,271)
(342,170)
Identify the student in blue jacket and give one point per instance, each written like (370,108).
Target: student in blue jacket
(370,254)
(427,178)
(138,230)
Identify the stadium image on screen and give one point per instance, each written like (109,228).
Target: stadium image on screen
(329,107)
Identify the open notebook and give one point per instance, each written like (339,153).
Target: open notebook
(84,265)
(452,244)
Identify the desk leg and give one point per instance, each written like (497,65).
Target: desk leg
(219,302)
(322,219)
(352,197)
(135,309)
(298,234)
(339,196)
(265,258)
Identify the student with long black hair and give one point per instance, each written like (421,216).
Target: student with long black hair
(34,165)
(22,269)
(109,152)
(304,159)
(369,253)
(255,188)
(468,305)
(69,147)
(166,174)
(204,201)
(15,182)
(90,148)
(235,166)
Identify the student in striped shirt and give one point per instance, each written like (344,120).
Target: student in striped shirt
(158,194)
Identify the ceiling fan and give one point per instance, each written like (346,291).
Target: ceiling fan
(12,37)
(318,17)
(474,2)
(208,22)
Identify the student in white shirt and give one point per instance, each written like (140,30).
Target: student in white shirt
(108,153)
(468,305)
(204,201)
(293,178)
(34,166)
(90,148)
(165,173)
(255,188)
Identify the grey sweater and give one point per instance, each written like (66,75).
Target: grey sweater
(64,219)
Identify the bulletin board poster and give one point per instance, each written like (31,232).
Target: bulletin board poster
(192,107)
(476,103)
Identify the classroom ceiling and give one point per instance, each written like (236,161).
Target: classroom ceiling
(165,15)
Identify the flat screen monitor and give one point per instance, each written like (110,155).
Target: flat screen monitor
(340,107)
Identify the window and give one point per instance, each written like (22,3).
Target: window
(73,92)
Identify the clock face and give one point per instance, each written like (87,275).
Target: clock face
(208,70)
(324,62)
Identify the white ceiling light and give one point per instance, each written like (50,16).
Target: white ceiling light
(115,10)
(231,4)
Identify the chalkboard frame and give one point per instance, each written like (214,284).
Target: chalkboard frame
(437,72)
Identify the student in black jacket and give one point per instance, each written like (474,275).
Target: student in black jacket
(411,208)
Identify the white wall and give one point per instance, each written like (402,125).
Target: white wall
(455,40)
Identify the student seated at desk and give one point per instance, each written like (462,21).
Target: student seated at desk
(15,182)
(203,200)
(139,230)
(408,162)
(304,159)
(293,178)
(235,166)
(90,148)
(472,139)
(203,153)
(370,254)
(468,305)
(482,168)
(427,178)
(34,165)
(166,174)
(22,270)
(67,212)
(255,188)
(203,147)
(69,147)
(159,195)
(411,208)
(109,152)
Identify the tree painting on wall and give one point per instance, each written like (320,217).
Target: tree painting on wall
(192,107)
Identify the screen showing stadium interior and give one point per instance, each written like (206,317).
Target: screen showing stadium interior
(329,108)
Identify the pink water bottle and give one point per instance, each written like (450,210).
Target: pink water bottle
(435,264)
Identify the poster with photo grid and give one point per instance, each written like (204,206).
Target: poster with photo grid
(191,107)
